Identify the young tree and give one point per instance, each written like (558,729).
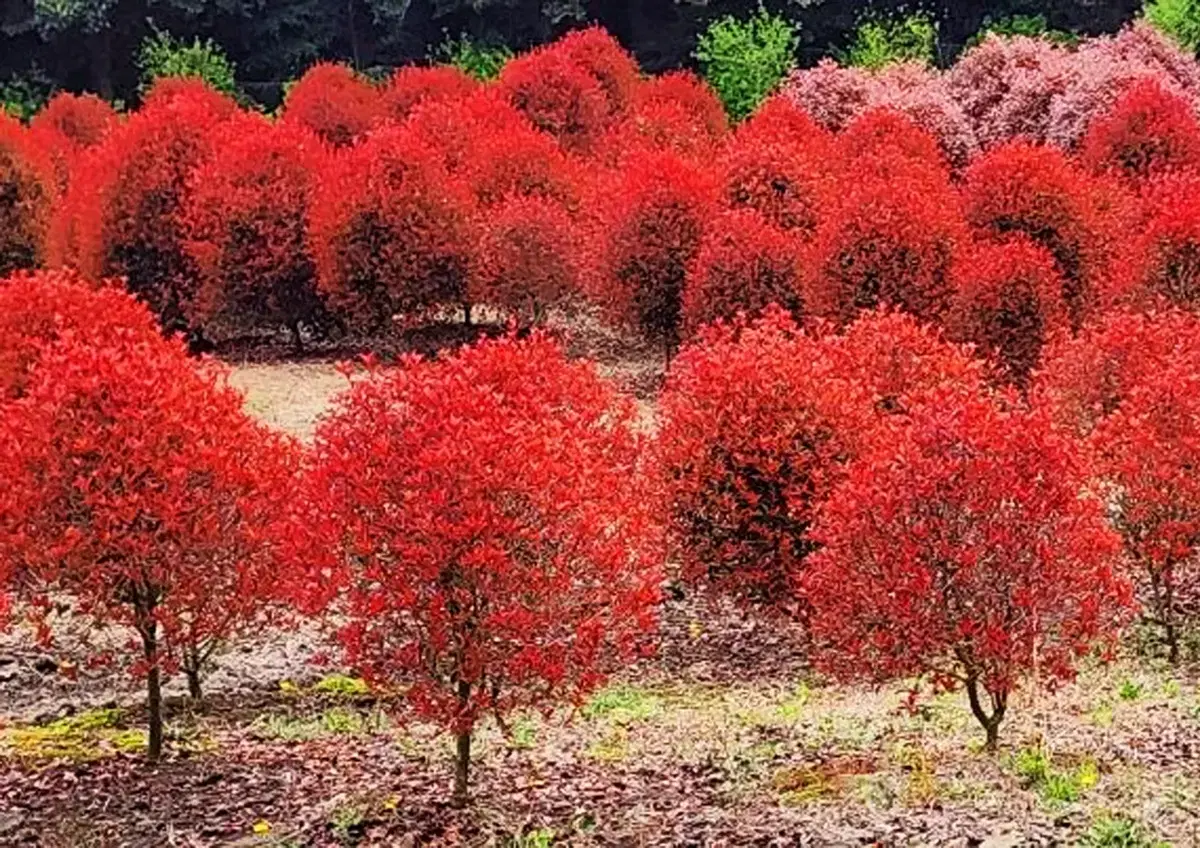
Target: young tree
(138,488)
(1149,132)
(412,85)
(28,189)
(243,219)
(961,546)
(558,96)
(481,524)
(68,125)
(334,102)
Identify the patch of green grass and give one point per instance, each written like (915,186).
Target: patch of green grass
(346,821)
(622,705)
(522,734)
(90,735)
(1102,714)
(1056,786)
(1130,690)
(305,728)
(542,837)
(1109,831)
(613,747)
(343,686)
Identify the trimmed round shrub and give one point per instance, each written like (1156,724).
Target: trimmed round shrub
(883,134)
(1147,133)
(390,230)
(743,265)
(28,190)
(527,257)
(463,130)
(558,96)
(594,50)
(244,219)
(412,85)
(1008,302)
(519,161)
(691,93)
(82,119)
(1161,267)
(334,102)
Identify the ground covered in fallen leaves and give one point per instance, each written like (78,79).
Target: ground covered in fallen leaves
(724,738)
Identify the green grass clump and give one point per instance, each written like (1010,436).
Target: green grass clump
(622,705)
(342,685)
(88,736)
(1110,831)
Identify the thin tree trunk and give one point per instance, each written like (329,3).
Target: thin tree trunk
(192,670)
(990,722)
(149,631)
(467,314)
(462,763)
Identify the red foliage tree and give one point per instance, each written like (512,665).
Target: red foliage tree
(884,132)
(1087,378)
(412,85)
(1008,302)
(689,92)
(464,129)
(121,216)
(1146,452)
(888,238)
(958,546)
(244,219)
(1161,267)
(1024,188)
(389,229)
(1148,132)
(648,220)
(520,161)
(69,124)
(137,488)
(527,257)
(480,523)
(558,96)
(334,102)
(757,424)
(779,164)
(744,264)
(28,189)
(165,91)
(599,54)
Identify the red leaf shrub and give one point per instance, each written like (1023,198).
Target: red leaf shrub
(69,124)
(138,489)
(480,523)
(958,546)
(37,307)
(743,265)
(888,238)
(1148,133)
(689,92)
(779,163)
(832,95)
(1162,264)
(193,91)
(648,220)
(1086,378)
(527,258)
(121,216)
(757,423)
(389,229)
(883,134)
(1035,191)
(673,112)
(558,96)
(519,161)
(1147,451)
(599,54)
(412,85)
(462,130)
(334,102)
(1008,302)
(244,219)
(28,189)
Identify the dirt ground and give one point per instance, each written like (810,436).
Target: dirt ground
(725,738)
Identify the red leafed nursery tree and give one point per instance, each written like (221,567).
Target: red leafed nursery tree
(959,548)
(1149,132)
(758,423)
(69,124)
(28,190)
(1161,268)
(1008,302)
(135,485)
(334,102)
(481,524)
(558,96)
(390,229)
(412,85)
(244,219)
(647,221)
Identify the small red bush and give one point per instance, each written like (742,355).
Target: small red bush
(778,163)
(757,424)
(191,91)
(334,102)
(520,161)
(244,218)
(1024,188)
(527,258)
(882,132)
(888,237)
(412,85)
(121,216)
(1162,264)
(389,229)
(558,96)
(69,124)
(138,489)
(1147,451)
(658,124)
(599,54)
(1147,133)
(959,546)
(462,129)
(480,523)
(649,219)
(28,189)
(689,92)
(1008,302)
(743,265)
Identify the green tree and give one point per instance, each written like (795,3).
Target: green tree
(744,60)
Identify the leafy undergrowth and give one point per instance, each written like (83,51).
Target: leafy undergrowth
(670,753)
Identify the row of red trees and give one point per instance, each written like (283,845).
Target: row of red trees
(573,177)
(488,528)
